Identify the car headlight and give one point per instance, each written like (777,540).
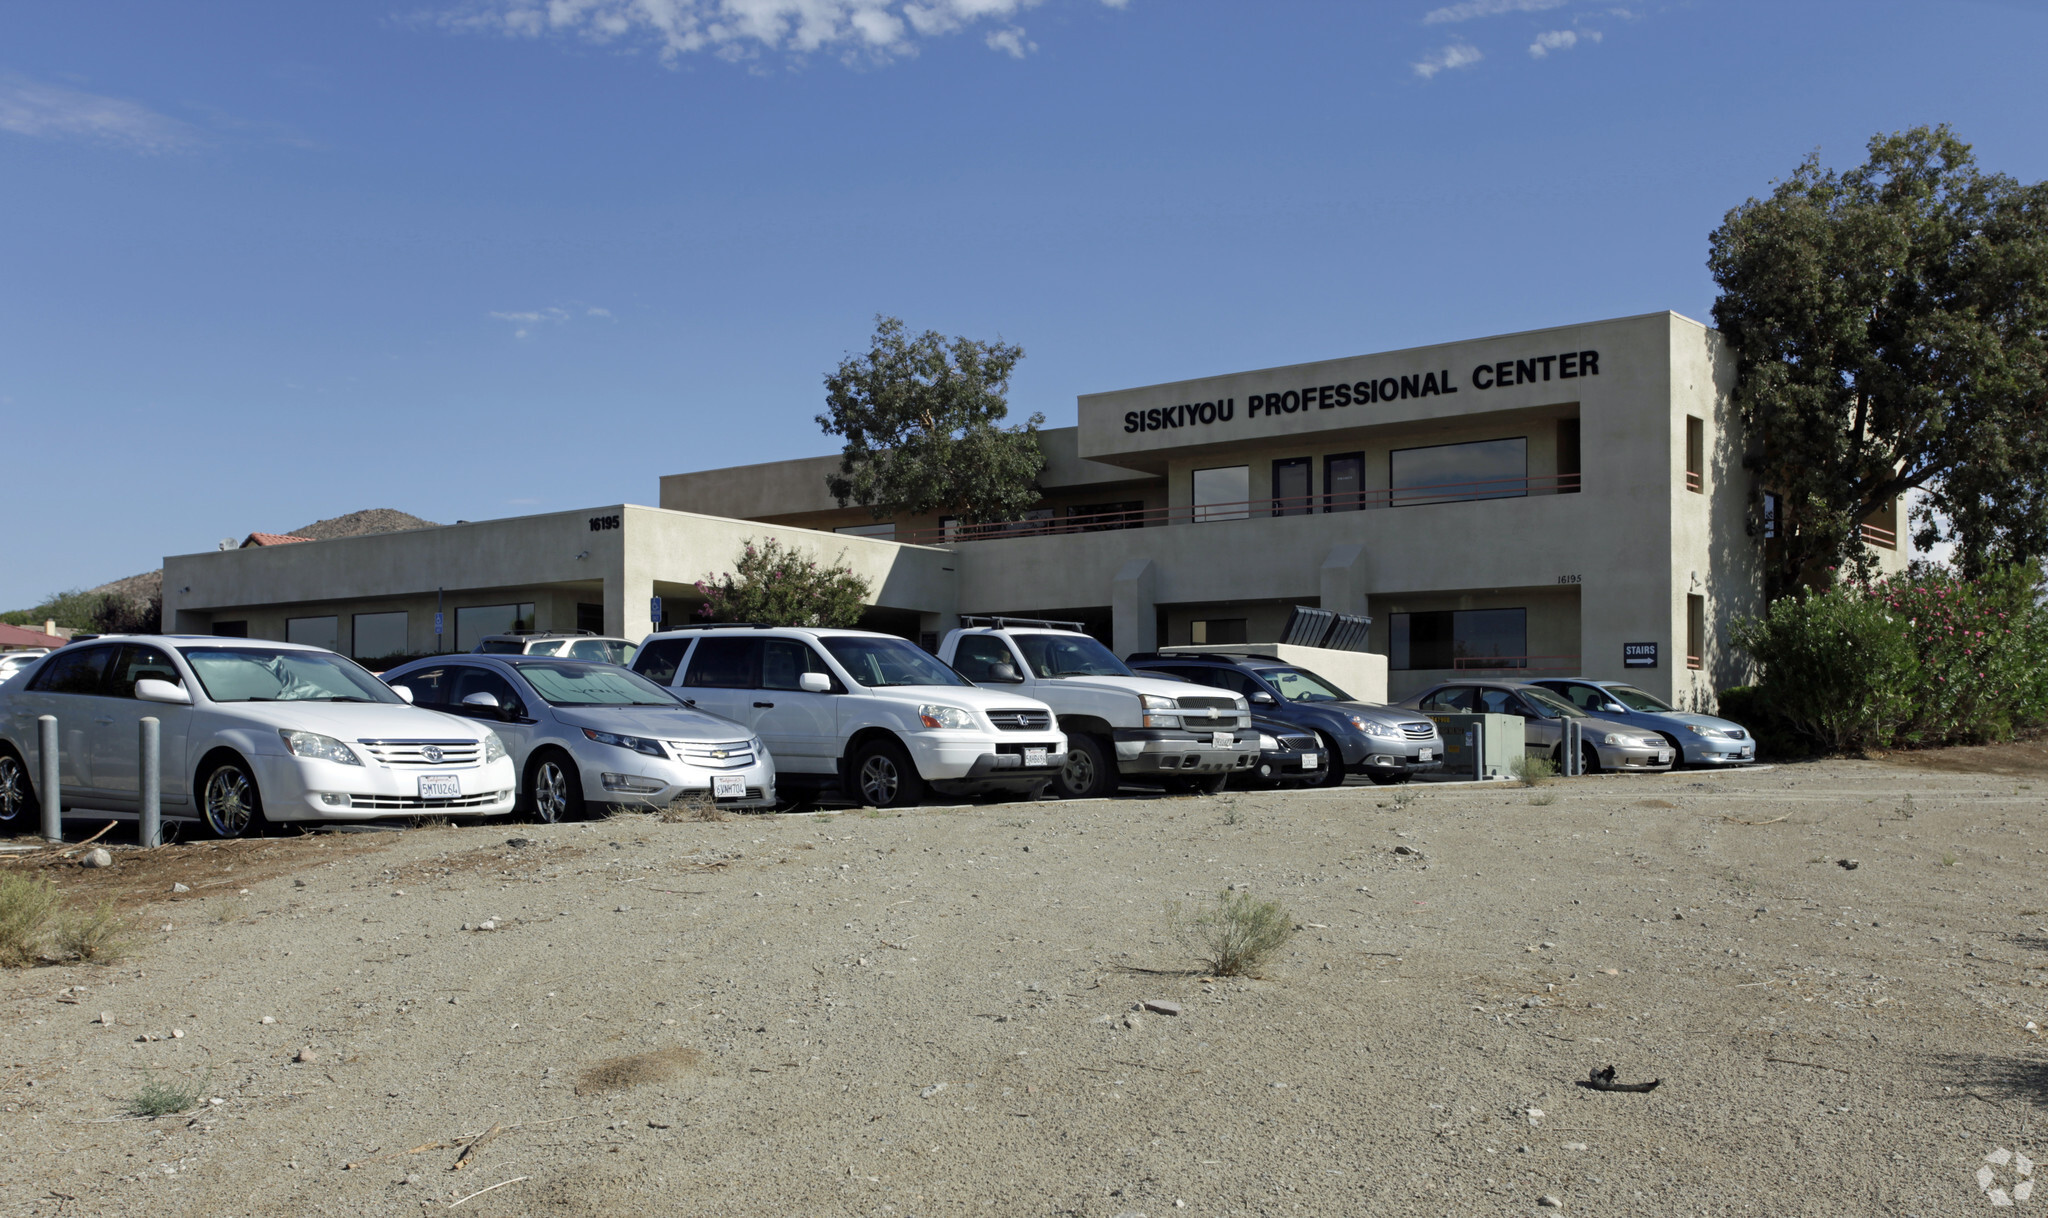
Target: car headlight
(952,718)
(1710,733)
(318,747)
(1154,702)
(1373,727)
(638,744)
(494,748)
(1269,744)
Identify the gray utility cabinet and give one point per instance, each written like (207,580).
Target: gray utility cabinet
(1481,746)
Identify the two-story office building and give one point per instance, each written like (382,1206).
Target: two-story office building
(1558,501)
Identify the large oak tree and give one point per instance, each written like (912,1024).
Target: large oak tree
(921,418)
(1890,326)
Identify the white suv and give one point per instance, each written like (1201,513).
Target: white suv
(872,714)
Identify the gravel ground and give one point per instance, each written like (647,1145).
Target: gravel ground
(938,1012)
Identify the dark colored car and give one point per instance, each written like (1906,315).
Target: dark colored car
(1288,757)
(1385,743)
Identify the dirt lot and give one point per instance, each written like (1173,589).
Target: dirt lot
(933,1013)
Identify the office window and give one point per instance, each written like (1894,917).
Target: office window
(372,636)
(1450,473)
(590,617)
(314,631)
(1223,493)
(231,630)
(1480,638)
(1033,521)
(473,622)
(1291,487)
(1567,456)
(1344,482)
(1695,631)
(949,527)
(1217,630)
(1695,454)
(885,530)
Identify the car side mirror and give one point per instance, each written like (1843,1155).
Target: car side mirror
(814,683)
(151,689)
(1614,708)
(482,699)
(1260,698)
(404,693)
(1004,674)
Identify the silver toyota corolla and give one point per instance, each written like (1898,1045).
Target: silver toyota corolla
(584,733)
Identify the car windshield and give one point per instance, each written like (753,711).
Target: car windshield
(1543,700)
(1068,655)
(1636,699)
(1298,686)
(260,674)
(604,651)
(880,662)
(592,685)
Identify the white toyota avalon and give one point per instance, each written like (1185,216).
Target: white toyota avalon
(252,731)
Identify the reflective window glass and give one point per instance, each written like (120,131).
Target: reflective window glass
(1223,493)
(785,661)
(725,663)
(81,670)
(978,653)
(1447,473)
(140,662)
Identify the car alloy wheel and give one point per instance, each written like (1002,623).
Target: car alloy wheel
(16,794)
(230,801)
(880,780)
(1077,774)
(550,792)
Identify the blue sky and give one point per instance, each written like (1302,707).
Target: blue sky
(268,263)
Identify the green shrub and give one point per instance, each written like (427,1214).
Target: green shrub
(162,1099)
(1924,658)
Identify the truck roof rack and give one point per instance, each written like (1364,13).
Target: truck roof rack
(1002,623)
(716,626)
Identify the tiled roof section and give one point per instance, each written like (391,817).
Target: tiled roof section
(272,539)
(22,636)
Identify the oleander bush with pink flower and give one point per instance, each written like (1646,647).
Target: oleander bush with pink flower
(1915,660)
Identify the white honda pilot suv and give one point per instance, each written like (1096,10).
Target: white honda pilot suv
(874,715)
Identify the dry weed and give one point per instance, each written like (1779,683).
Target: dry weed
(97,936)
(1232,934)
(26,907)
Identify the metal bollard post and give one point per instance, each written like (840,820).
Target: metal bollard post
(151,786)
(53,807)
(1475,739)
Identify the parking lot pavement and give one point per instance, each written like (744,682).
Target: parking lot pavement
(1834,970)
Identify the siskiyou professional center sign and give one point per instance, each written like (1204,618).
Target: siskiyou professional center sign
(1293,399)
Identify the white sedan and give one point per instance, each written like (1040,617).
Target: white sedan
(251,732)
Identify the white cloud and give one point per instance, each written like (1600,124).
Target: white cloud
(1559,40)
(1011,42)
(526,320)
(742,29)
(1456,55)
(54,112)
(1468,10)
(594,311)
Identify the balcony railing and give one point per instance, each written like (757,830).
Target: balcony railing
(1478,665)
(1881,537)
(1249,509)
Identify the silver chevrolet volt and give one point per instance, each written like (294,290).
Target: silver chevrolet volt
(588,733)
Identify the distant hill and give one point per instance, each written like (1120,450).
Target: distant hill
(150,584)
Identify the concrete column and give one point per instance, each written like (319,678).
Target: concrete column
(1343,580)
(628,589)
(1133,600)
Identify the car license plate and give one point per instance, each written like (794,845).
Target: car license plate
(1223,740)
(1034,757)
(1663,755)
(1745,750)
(1426,755)
(1310,761)
(440,786)
(728,786)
